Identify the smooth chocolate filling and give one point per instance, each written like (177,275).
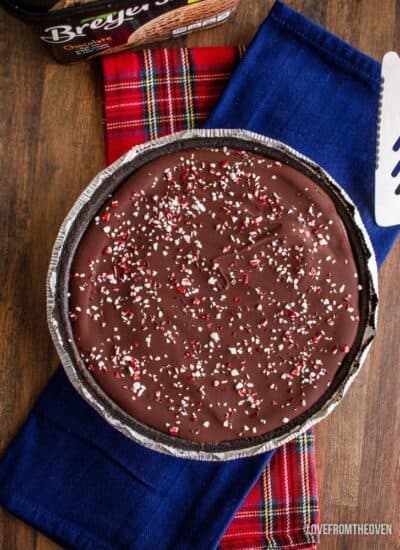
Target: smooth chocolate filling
(215,296)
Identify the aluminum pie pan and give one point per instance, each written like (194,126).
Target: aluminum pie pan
(90,202)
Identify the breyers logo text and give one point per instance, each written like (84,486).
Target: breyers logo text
(60,34)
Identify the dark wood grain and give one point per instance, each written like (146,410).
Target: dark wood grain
(51,144)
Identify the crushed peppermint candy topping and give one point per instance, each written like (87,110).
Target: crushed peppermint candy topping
(215,295)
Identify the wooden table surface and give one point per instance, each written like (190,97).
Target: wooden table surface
(51,144)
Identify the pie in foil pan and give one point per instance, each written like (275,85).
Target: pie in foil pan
(99,197)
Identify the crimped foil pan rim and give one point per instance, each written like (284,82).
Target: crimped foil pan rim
(88,388)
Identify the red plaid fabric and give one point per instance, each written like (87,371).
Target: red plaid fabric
(152,93)
(282,505)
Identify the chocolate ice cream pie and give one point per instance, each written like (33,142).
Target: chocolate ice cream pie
(213,294)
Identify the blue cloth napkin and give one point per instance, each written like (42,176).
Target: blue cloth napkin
(68,472)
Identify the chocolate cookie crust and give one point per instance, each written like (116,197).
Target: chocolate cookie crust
(216,295)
